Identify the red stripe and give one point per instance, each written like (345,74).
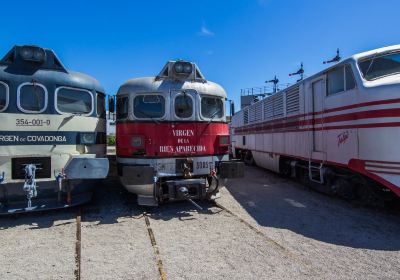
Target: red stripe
(350,126)
(384,113)
(394,112)
(359,105)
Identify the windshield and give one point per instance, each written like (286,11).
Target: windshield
(74,101)
(212,107)
(149,106)
(380,66)
(183,106)
(32,98)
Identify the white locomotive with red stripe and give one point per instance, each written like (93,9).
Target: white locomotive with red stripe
(337,130)
(172,138)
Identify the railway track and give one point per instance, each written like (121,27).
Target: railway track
(160,266)
(78,244)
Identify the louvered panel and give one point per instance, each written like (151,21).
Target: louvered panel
(258,111)
(246,116)
(278,105)
(252,113)
(292,100)
(268,108)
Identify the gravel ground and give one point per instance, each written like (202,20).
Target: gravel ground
(276,229)
(38,246)
(339,239)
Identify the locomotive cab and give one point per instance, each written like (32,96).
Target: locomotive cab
(172,136)
(52,137)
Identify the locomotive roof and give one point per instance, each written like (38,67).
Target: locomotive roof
(50,69)
(166,81)
(354,57)
(376,51)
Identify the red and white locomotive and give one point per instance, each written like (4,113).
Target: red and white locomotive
(338,130)
(172,138)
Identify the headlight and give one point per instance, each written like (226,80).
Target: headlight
(32,53)
(137,141)
(88,138)
(183,68)
(223,140)
(26,53)
(178,67)
(187,68)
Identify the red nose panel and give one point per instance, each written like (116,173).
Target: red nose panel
(169,140)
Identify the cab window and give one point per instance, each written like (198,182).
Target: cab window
(32,98)
(74,101)
(340,79)
(101,106)
(3,96)
(149,106)
(380,66)
(212,107)
(122,107)
(183,106)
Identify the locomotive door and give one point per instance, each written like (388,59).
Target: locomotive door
(318,133)
(183,115)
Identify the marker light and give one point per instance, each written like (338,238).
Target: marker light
(137,141)
(32,53)
(88,138)
(223,140)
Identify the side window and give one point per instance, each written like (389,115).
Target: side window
(74,101)
(101,106)
(350,82)
(4,91)
(183,106)
(335,81)
(32,98)
(122,107)
(340,79)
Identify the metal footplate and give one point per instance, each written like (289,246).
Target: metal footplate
(314,169)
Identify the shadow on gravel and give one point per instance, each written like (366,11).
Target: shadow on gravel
(277,202)
(109,203)
(183,210)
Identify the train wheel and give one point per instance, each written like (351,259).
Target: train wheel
(248,158)
(368,195)
(343,188)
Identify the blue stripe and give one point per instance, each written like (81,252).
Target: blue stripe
(17,138)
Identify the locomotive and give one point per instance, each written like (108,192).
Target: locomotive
(172,138)
(52,133)
(337,130)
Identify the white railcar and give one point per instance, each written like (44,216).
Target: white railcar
(338,130)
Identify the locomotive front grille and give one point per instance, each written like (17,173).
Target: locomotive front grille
(43,165)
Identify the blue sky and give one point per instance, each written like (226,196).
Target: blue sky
(237,43)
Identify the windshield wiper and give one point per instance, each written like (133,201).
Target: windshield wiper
(370,65)
(214,114)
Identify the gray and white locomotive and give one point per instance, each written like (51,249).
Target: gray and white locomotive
(52,133)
